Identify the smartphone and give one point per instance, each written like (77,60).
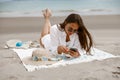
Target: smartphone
(74,49)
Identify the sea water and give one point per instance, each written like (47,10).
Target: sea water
(13,8)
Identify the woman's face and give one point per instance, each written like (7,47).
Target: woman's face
(71,28)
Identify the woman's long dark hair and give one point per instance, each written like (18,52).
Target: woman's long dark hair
(85,38)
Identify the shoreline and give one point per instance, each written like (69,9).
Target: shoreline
(60,12)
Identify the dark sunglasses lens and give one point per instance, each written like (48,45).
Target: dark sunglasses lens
(75,31)
(72,30)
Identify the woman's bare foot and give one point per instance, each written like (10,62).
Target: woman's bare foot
(47,13)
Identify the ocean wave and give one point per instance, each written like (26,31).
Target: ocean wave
(84,10)
(57,12)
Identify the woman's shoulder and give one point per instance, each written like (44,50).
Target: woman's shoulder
(56,27)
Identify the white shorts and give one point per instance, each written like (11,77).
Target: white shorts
(46,41)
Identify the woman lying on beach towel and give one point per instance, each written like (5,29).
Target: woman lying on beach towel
(70,37)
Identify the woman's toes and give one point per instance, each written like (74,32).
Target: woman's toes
(47,13)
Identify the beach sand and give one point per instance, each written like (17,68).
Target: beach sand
(105,30)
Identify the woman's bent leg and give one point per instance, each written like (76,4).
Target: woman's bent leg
(47,24)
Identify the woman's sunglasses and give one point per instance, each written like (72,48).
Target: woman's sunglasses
(72,30)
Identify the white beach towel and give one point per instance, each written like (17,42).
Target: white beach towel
(97,55)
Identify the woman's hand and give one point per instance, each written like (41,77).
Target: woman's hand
(62,49)
(74,53)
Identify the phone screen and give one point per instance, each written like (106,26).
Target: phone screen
(73,49)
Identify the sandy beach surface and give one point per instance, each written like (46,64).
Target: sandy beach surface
(105,30)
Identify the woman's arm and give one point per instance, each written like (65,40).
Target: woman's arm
(55,44)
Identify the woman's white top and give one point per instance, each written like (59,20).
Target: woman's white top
(57,37)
